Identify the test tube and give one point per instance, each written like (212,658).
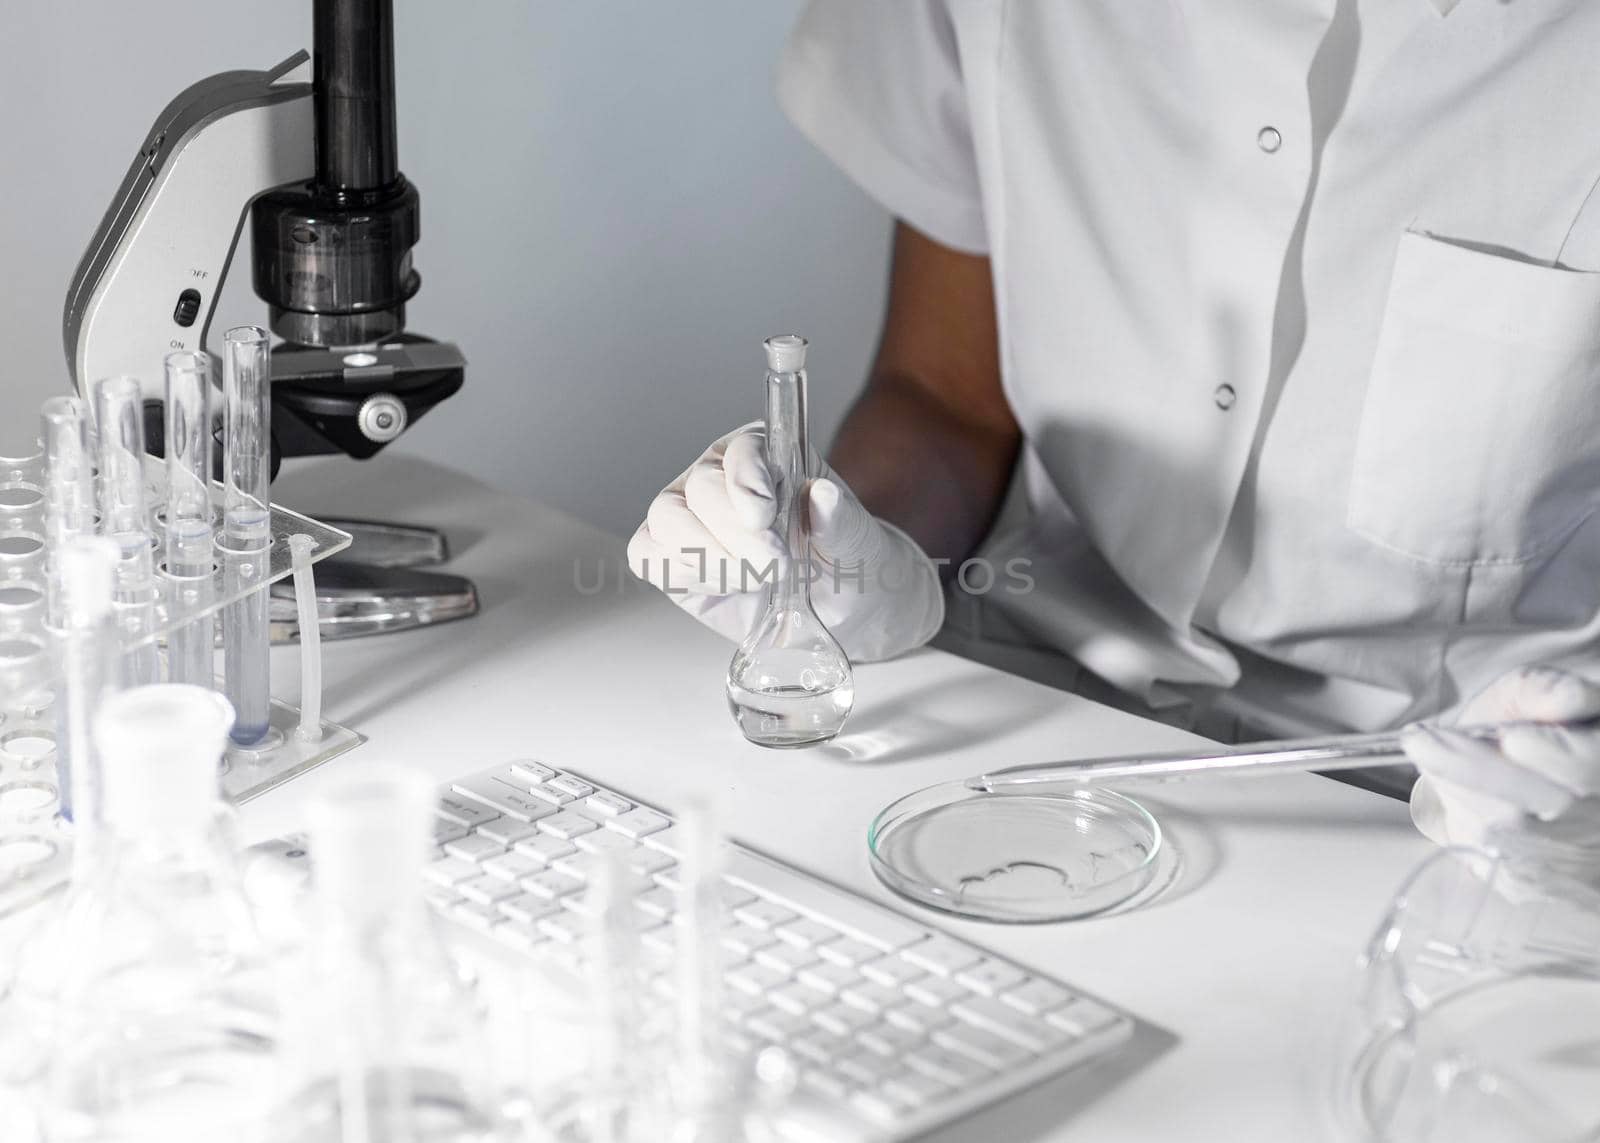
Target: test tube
(85,567)
(119,409)
(188,516)
(246,528)
(69,468)
(125,520)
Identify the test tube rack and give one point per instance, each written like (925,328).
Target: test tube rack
(35,840)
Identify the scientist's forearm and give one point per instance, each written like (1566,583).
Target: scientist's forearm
(913,462)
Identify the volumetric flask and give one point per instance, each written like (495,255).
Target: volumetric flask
(1478,1019)
(1015,856)
(790,682)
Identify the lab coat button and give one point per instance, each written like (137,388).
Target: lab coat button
(1224,396)
(1269,139)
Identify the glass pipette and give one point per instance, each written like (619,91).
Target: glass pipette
(1333,752)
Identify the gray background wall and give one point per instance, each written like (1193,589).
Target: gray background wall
(614,214)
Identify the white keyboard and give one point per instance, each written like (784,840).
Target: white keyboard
(896,1028)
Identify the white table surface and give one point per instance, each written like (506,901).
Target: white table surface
(1239,971)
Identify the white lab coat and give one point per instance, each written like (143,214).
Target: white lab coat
(1294,314)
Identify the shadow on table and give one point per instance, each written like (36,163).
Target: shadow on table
(906,728)
(1042,1110)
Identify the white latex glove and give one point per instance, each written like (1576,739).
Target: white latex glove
(875,589)
(1544,780)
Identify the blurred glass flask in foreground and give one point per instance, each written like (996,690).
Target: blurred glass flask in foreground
(383,1041)
(790,682)
(151,993)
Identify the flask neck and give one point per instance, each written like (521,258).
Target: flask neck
(788,449)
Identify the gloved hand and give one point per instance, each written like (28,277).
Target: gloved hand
(1543,780)
(709,536)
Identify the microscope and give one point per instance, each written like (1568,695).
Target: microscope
(307,150)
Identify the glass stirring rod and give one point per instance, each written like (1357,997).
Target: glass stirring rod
(1334,752)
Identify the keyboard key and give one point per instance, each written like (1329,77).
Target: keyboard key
(567,784)
(825,1083)
(988,1049)
(871,997)
(508,831)
(991,977)
(806,933)
(847,951)
(474,847)
(887,1040)
(946,1066)
(487,890)
(564,928)
(526,908)
(746,940)
(464,811)
(891,971)
(796,998)
(446,830)
(567,825)
(551,884)
(450,871)
(658,903)
(511,866)
(755,979)
(545,848)
(941,955)
(608,804)
(935,991)
(827,978)
(604,841)
(530,772)
(918,1018)
(583,866)
(646,862)
(765,915)
(841,1019)
(1082,1017)
(915,1089)
(1006,1022)
(1036,997)
(785,958)
(638,824)
(510,801)
(776,1025)
(865,1068)
(544,791)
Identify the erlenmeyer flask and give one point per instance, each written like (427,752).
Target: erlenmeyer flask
(383,1042)
(153,988)
(789,683)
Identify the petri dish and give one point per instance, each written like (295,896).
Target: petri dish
(1020,858)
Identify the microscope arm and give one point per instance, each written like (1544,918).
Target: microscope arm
(148,283)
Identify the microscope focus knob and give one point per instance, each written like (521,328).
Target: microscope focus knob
(382,418)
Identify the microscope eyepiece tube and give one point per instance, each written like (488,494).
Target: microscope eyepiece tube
(353,73)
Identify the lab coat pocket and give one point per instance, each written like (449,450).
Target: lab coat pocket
(1480,434)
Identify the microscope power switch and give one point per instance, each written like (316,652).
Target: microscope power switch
(187,309)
